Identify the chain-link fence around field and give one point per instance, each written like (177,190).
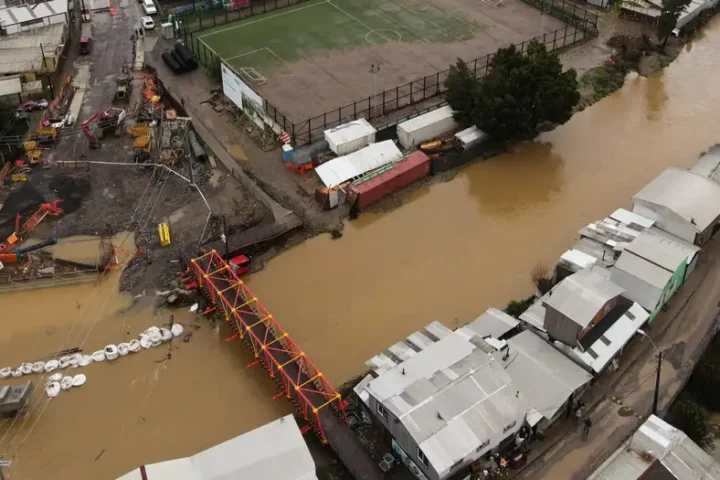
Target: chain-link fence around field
(580,25)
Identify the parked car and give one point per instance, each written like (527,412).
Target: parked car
(147,23)
(32,105)
(149,7)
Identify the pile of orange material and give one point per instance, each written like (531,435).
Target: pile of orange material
(150,91)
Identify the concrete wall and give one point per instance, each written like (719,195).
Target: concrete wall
(560,327)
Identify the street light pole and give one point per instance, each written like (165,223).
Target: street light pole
(3,463)
(656,394)
(657,384)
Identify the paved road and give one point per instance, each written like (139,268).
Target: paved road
(682,332)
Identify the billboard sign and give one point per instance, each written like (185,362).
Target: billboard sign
(236,90)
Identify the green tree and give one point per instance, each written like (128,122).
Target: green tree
(693,419)
(519,92)
(460,84)
(668,18)
(515,308)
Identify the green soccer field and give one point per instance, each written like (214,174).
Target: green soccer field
(268,41)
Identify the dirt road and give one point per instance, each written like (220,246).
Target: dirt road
(681,333)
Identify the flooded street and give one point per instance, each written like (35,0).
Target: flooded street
(452,250)
(138,409)
(458,247)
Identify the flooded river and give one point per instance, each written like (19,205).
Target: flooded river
(138,409)
(456,248)
(448,253)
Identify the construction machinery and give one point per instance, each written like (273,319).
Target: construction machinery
(123,85)
(17,255)
(51,209)
(96,126)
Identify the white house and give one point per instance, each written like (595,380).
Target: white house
(26,17)
(658,451)
(683,203)
(275,451)
(445,399)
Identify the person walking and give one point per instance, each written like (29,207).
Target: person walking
(586,426)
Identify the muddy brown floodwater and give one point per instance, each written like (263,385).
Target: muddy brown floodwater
(448,253)
(138,409)
(456,248)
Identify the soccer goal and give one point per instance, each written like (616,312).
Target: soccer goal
(252,76)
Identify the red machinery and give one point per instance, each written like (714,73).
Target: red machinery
(16,256)
(101,122)
(298,378)
(45,209)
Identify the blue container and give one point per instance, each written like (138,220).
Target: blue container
(287,153)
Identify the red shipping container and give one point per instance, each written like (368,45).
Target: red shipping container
(408,170)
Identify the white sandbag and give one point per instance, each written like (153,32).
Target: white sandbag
(79,380)
(165,335)
(155,338)
(5,372)
(66,383)
(85,360)
(52,389)
(98,356)
(26,368)
(177,329)
(194,307)
(111,352)
(51,365)
(17,372)
(145,342)
(75,359)
(123,349)
(151,330)
(38,367)
(134,346)
(64,362)
(55,377)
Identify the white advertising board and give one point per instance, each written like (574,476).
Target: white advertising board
(235,89)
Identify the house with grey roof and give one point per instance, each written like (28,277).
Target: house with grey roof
(23,18)
(657,450)
(683,203)
(445,398)
(549,381)
(653,267)
(586,317)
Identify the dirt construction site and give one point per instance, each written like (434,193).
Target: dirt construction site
(349,50)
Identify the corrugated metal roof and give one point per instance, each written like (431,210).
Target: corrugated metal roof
(451,397)
(50,36)
(658,441)
(578,259)
(617,336)
(661,250)
(630,218)
(275,451)
(642,270)
(10,85)
(20,52)
(543,374)
(708,165)
(581,296)
(535,315)
(693,197)
(342,169)
(25,13)
(492,323)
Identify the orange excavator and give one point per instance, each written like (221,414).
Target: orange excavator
(51,209)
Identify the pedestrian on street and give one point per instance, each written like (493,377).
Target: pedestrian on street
(586,426)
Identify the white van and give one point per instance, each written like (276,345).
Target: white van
(149,7)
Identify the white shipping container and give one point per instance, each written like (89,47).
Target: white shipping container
(341,169)
(470,137)
(426,127)
(350,137)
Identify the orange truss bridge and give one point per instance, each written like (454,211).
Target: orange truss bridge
(284,361)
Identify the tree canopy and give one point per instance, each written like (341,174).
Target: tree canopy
(668,18)
(519,92)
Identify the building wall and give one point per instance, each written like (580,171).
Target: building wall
(562,328)
(667,220)
(55,19)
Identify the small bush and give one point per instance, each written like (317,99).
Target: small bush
(693,419)
(516,308)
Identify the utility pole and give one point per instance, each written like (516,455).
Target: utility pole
(52,89)
(657,385)
(374,69)
(227,250)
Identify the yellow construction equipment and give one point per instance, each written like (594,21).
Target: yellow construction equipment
(48,131)
(142,143)
(164,233)
(19,177)
(140,130)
